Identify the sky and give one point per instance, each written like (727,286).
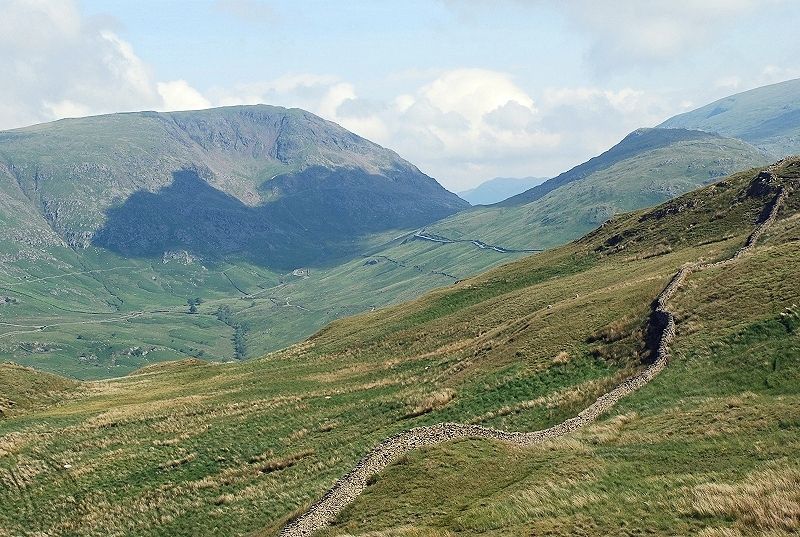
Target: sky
(465,89)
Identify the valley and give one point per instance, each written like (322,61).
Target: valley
(192,445)
(135,300)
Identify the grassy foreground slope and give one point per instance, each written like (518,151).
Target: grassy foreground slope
(648,167)
(190,448)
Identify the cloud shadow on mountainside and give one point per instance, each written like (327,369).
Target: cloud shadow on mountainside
(315,217)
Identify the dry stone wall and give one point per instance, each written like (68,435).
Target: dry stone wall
(347,489)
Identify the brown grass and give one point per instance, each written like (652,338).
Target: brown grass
(561,358)
(429,402)
(764,500)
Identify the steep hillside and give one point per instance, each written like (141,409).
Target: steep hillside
(767,117)
(278,187)
(202,449)
(498,189)
(25,388)
(647,167)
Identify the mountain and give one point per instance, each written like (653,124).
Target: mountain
(97,312)
(647,167)
(498,189)
(278,187)
(109,225)
(191,448)
(767,117)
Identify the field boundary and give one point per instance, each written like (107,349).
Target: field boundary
(323,512)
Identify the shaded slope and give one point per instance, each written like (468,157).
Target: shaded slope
(767,117)
(136,306)
(80,174)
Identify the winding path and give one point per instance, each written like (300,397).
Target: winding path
(346,489)
(475,242)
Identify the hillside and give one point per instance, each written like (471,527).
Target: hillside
(278,187)
(767,117)
(647,167)
(194,448)
(498,189)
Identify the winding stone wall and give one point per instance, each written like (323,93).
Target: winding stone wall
(346,489)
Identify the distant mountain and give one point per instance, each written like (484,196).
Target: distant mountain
(647,167)
(498,189)
(634,144)
(279,187)
(766,117)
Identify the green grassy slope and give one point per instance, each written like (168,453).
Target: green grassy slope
(646,168)
(767,117)
(93,312)
(25,389)
(107,316)
(198,449)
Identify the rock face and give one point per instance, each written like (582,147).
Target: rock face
(280,186)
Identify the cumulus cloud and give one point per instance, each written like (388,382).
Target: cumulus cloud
(463,126)
(459,125)
(466,125)
(179,95)
(56,64)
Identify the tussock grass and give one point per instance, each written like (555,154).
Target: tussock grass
(764,500)
(428,402)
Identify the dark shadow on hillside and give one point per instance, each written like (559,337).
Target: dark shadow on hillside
(315,217)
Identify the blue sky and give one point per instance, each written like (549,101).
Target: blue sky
(465,89)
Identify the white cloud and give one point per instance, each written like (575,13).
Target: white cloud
(57,64)
(459,125)
(179,95)
(775,73)
(466,125)
(643,32)
(66,108)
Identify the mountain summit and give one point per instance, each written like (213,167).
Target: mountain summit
(278,186)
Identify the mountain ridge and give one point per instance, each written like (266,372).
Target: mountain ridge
(646,167)
(75,171)
(767,117)
(642,139)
